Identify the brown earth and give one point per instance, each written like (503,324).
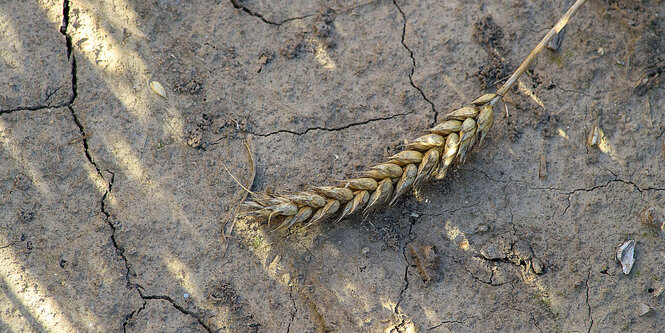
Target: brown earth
(113,198)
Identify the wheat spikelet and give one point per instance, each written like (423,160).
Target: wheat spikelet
(427,157)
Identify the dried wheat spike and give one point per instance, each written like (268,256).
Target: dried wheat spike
(427,157)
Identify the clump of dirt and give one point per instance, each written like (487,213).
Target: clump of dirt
(294,47)
(322,28)
(630,12)
(207,130)
(491,73)
(323,23)
(388,234)
(225,295)
(190,86)
(488,34)
(195,139)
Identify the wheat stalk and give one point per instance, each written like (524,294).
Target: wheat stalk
(427,157)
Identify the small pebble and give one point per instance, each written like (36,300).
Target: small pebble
(481,228)
(537,266)
(625,255)
(644,310)
(185,295)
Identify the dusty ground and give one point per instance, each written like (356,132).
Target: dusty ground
(113,198)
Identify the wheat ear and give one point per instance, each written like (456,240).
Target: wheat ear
(427,157)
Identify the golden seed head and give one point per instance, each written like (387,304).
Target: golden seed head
(462,114)
(468,129)
(428,141)
(362,184)
(449,153)
(325,212)
(385,170)
(404,183)
(485,121)
(453,138)
(430,160)
(337,193)
(447,127)
(483,99)
(286,209)
(307,199)
(380,196)
(406,157)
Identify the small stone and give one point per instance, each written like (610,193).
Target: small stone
(185,295)
(644,310)
(537,266)
(482,228)
(364,250)
(491,252)
(625,255)
(415,215)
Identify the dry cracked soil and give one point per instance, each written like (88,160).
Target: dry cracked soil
(115,202)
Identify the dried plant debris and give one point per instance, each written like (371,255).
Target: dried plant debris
(157,88)
(648,80)
(426,158)
(625,256)
(555,44)
(426,260)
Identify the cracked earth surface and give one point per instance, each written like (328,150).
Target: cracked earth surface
(113,198)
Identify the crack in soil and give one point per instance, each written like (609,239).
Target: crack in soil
(615,180)
(569,194)
(399,327)
(131,315)
(329,129)
(574,91)
(451,210)
(473,276)
(178,307)
(295,310)
(452,321)
(236,4)
(533,318)
(68,42)
(586,282)
(413,65)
